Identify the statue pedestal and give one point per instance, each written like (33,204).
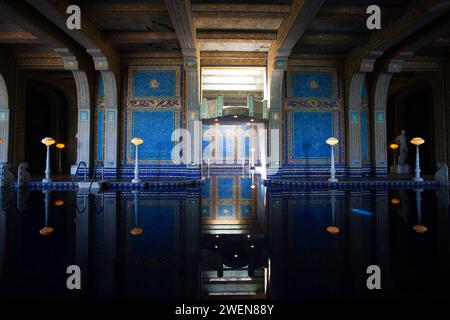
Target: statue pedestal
(401,169)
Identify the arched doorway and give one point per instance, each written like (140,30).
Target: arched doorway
(46,116)
(412,110)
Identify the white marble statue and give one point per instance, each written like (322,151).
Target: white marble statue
(402,141)
(441,175)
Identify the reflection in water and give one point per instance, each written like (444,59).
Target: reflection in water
(46,230)
(231,238)
(234,261)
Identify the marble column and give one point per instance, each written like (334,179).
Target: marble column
(193,145)
(379,142)
(84,117)
(275,112)
(447,105)
(354,124)
(4,121)
(111,122)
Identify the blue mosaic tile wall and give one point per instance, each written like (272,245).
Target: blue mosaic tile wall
(154,83)
(312,85)
(313,112)
(156,128)
(153,112)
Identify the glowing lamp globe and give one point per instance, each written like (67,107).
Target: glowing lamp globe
(333,230)
(395,201)
(252,186)
(332,141)
(417,141)
(60,146)
(46,231)
(48,141)
(1,141)
(137,141)
(136,231)
(59,203)
(394,146)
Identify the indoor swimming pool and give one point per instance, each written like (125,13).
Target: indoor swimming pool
(230,238)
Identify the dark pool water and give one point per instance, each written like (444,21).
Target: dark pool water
(232,238)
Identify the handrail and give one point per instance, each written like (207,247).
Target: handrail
(81,163)
(94,174)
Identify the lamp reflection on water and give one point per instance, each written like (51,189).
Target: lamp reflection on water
(46,230)
(333,229)
(419,227)
(136,231)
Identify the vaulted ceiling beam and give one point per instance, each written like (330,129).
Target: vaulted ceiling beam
(416,16)
(124,37)
(294,26)
(104,55)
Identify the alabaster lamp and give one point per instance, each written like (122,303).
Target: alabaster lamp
(417,142)
(47,142)
(394,147)
(332,142)
(137,142)
(60,147)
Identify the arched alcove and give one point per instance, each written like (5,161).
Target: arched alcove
(45,116)
(412,109)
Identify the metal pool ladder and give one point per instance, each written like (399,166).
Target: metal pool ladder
(80,164)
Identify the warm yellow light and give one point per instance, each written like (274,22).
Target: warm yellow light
(137,141)
(60,146)
(48,141)
(252,120)
(394,146)
(252,186)
(332,141)
(333,230)
(252,149)
(137,231)
(395,201)
(417,141)
(419,228)
(1,141)
(59,203)
(45,231)
(235,117)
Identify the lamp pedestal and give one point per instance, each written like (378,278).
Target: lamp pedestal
(417,170)
(47,167)
(333,167)
(136,168)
